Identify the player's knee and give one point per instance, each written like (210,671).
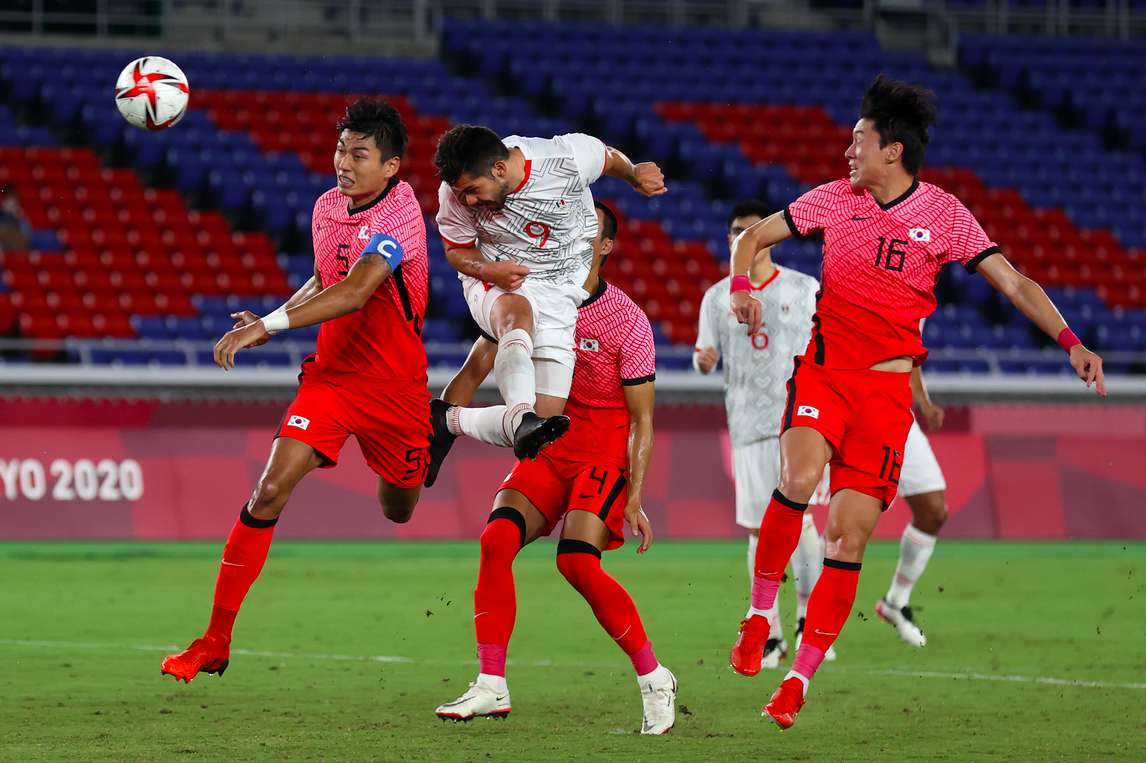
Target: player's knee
(269,499)
(397,511)
(799,483)
(845,546)
(932,513)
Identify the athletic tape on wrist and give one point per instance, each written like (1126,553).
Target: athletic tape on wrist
(1068,339)
(276,321)
(740,283)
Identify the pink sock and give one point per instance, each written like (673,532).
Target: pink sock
(808,659)
(764,592)
(644,661)
(491,659)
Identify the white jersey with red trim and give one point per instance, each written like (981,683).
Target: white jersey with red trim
(757,367)
(548,222)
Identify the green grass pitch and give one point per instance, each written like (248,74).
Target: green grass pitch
(344,650)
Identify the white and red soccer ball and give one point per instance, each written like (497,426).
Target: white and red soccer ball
(152,93)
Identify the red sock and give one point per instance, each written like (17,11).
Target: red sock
(779,534)
(580,563)
(495,601)
(243,559)
(828,611)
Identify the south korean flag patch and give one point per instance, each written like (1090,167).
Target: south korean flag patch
(920,235)
(589,345)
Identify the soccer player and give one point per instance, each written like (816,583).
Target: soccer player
(368,375)
(516,216)
(593,478)
(755,368)
(886,236)
(923,487)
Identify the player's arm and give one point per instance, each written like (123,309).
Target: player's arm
(755,239)
(707,352)
(932,413)
(1033,302)
(461,389)
(312,286)
(342,298)
(639,399)
(467,260)
(645,177)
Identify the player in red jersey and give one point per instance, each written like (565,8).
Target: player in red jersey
(368,375)
(592,478)
(886,236)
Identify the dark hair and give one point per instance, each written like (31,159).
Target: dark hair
(611,225)
(377,118)
(468,150)
(748,208)
(901,113)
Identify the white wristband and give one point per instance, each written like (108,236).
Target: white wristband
(276,321)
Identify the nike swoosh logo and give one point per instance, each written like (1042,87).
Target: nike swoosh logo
(857,217)
(502,698)
(233,564)
(821,633)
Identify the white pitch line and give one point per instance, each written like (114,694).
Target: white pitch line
(388,658)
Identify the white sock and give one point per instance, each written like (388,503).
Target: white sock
(516,378)
(485,424)
(915,548)
(497,683)
(751,560)
(657,675)
(807,562)
(803,680)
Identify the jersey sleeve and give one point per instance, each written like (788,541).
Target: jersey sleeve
(806,310)
(708,324)
(812,212)
(589,153)
(638,353)
(455,225)
(968,242)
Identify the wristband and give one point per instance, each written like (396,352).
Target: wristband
(1067,339)
(740,283)
(276,321)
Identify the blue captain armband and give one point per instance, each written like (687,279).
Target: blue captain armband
(388,247)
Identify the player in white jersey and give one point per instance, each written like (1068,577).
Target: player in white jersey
(756,368)
(518,223)
(922,485)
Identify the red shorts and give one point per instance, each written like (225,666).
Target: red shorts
(557,486)
(391,421)
(865,415)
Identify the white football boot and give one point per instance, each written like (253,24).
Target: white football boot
(479,701)
(775,650)
(658,693)
(904,622)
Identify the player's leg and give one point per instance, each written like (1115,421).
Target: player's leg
(514,522)
(460,391)
(923,487)
(804,452)
(244,555)
(594,526)
(398,501)
(851,519)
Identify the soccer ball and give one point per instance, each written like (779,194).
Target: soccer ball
(152,93)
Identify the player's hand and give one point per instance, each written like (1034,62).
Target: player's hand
(706,358)
(250,335)
(747,311)
(246,318)
(933,415)
(504,274)
(648,179)
(639,522)
(1088,366)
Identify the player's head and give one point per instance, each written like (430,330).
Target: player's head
(473,161)
(744,215)
(606,234)
(371,142)
(891,131)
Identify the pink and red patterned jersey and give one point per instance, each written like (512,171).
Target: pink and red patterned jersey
(614,345)
(880,266)
(383,339)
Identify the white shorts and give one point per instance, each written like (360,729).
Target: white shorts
(756,472)
(554,324)
(920,472)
